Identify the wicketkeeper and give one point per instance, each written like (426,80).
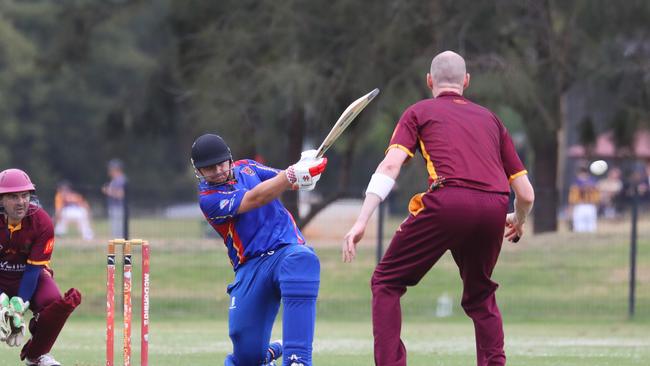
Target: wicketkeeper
(26,281)
(266,249)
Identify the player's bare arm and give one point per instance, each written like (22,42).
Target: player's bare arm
(524,198)
(265,192)
(379,187)
(302,175)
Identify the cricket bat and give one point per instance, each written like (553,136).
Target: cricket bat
(350,113)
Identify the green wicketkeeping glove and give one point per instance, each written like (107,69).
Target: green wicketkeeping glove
(18,308)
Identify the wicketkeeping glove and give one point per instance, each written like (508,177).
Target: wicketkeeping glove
(18,308)
(17,336)
(5,317)
(306,172)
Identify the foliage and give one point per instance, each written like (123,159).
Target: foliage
(85,81)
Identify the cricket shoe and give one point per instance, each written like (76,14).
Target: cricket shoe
(43,360)
(274,352)
(295,361)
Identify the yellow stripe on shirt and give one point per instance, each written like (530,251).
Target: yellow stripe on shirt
(430,168)
(517,175)
(38,263)
(401,147)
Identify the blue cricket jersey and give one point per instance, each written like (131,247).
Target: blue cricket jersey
(252,233)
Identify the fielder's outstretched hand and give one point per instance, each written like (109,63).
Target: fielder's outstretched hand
(514,228)
(305,173)
(349,250)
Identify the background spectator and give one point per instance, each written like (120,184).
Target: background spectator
(609,189)
(115,192)
(71,207)
(583,197)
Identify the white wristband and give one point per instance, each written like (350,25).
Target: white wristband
(381,185)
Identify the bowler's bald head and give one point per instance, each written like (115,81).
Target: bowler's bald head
(448,68)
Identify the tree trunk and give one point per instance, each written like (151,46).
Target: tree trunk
(546,193)
(296,133)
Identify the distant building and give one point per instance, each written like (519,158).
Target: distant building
(605,148)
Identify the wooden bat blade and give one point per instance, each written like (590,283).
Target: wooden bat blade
(350,113)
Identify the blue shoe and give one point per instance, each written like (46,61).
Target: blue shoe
(275,350)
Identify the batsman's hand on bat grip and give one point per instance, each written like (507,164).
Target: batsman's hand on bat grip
(305,173)
(308,155)
(514,228)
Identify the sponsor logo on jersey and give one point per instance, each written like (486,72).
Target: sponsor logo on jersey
(223,203)
(11,267)
(247,170)
(49,246)
(232,303)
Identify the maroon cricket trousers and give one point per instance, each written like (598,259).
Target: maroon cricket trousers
(469,223)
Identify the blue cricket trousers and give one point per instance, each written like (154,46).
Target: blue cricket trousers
(291,274)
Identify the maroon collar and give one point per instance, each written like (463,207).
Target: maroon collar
(448,93)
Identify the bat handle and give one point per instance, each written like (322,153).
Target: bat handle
(319,153)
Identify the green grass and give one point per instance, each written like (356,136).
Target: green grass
(563,297)
(350,343)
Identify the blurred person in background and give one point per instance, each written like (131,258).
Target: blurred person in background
(26,280)
(115,191)
(71,207)
(609,189)
(583,198)
(272,264)
(637,187)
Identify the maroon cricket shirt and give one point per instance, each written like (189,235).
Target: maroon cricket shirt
(29,242)
(460,141)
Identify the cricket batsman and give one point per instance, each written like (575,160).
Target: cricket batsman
(266,249)
(26,281)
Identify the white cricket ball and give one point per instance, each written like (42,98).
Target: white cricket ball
(598,167)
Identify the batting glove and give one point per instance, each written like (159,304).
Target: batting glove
(306,172)
(5,317)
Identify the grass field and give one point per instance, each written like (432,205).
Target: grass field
(350,343)
(563,297)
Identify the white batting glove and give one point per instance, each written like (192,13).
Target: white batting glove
(308,154)
(5,317)
(305,173)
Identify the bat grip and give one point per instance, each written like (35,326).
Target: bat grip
(320,153)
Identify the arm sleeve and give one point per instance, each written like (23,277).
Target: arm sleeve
(221,206)
(263,171)
(405,135)
(29,281)
(41,251)
(512,165)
